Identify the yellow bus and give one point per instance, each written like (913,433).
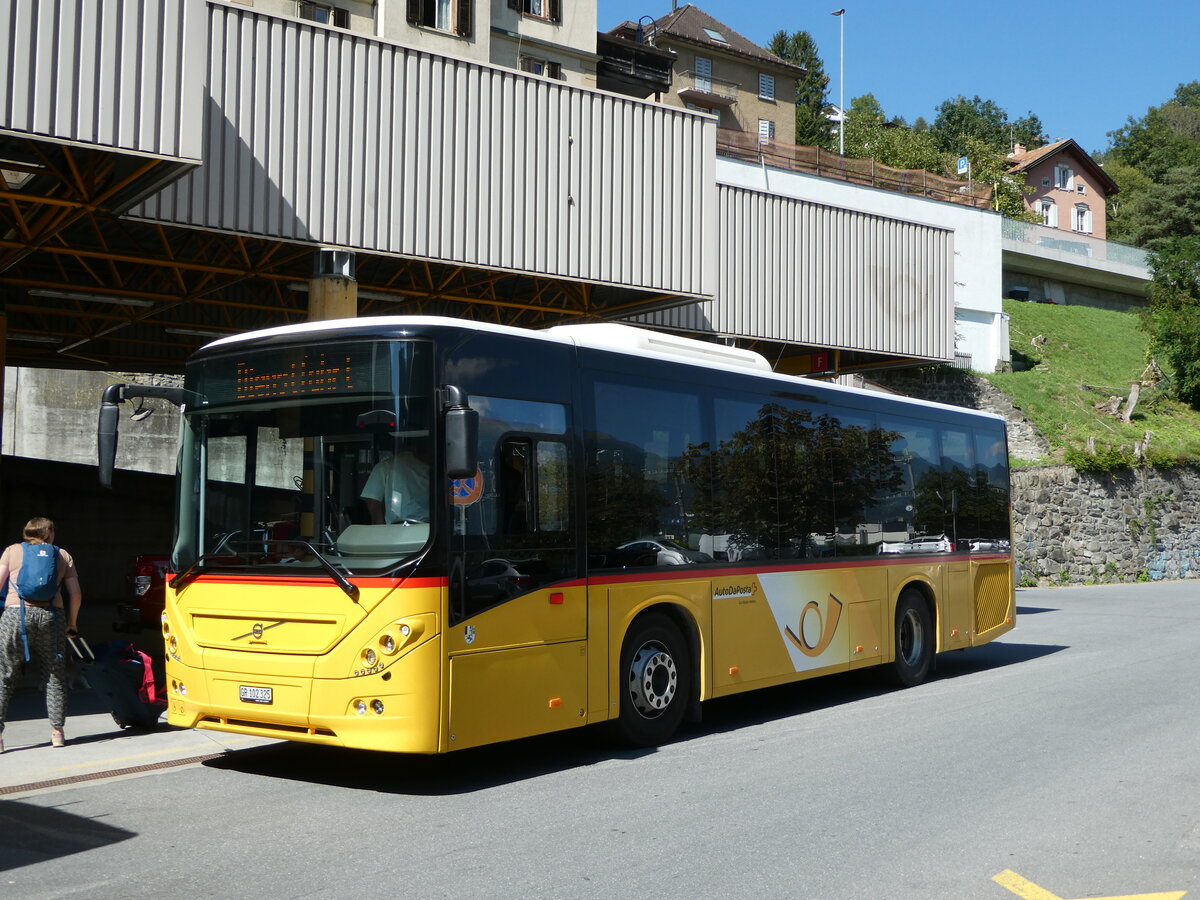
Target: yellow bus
(425,534)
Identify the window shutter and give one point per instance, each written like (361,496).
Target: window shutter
(514,4)
(555,70)
(465,24)
(555,10)
(414,12)
(341,17)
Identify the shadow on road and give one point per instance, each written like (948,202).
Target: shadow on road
(485,767)
(34,834)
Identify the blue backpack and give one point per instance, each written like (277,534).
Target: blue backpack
(37,582)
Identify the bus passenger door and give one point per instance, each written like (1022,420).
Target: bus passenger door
(517,640)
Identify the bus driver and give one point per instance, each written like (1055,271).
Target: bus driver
(397,490)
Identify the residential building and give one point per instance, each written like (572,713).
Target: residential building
(543,37)
(720,72)
(1069,188)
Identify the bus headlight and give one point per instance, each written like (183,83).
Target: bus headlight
(370,657)
(360,707)
(387,643)
(377,707)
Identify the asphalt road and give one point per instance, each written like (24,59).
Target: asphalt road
(1062,760)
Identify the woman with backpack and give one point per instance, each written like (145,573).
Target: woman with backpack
(36,621)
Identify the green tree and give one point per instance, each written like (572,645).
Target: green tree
(1173,320)
(1164,211)
(960,119)
(812,126)
(1122,206)
(1167,137)
(865,109)
(901,148)
(1028,130)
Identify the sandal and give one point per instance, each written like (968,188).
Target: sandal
(57,738)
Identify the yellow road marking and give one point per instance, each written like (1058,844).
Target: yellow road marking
(1022,888)
(1027,890)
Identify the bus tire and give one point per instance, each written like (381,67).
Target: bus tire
(915,640)
(656,681)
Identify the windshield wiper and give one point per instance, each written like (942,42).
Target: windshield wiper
(190,574)
(184,578)
(341,580)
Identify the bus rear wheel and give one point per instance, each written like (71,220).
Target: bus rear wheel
(914,640)
(656,681)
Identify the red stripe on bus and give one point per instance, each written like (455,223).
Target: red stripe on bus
(742,571)
(295,581)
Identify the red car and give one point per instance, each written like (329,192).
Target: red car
(145,580)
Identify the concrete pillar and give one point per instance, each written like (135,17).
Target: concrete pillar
(332,294)
(332,290)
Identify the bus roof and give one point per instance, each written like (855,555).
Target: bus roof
(607,336)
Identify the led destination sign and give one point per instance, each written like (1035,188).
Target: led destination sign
(266,377)
(344,369)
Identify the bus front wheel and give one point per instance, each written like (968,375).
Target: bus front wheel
(914,640)
(656,681)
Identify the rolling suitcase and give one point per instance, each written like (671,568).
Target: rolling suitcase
(123,677)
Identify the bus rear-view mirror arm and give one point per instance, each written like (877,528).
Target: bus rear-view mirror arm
(462,434)
(106,430)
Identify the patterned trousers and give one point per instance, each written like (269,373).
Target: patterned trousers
(46,632)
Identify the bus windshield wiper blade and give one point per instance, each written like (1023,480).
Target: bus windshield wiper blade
(341,580)
(185,577)
(189,574)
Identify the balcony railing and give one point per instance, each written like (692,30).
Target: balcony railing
(704,88)
(1071,242)
(815,161)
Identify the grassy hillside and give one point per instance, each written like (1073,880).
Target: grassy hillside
(1066,359)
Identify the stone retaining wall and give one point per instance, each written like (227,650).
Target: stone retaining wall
(1076,528)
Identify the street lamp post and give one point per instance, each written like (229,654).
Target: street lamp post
(841,14)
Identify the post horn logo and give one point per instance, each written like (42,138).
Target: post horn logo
(826,626)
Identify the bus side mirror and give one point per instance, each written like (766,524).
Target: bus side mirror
(106,433)
(462,442)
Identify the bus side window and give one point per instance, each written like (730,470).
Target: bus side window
(516,485)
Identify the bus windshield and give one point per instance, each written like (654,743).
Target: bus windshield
(307,459)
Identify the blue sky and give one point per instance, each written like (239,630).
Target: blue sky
(913,55)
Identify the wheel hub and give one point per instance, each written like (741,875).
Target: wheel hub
(653,679)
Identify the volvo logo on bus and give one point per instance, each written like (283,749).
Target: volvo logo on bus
(256,631)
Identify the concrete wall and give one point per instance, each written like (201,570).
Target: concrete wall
(1072,294)
(52,414)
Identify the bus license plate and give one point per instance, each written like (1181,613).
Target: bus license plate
(251,694)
